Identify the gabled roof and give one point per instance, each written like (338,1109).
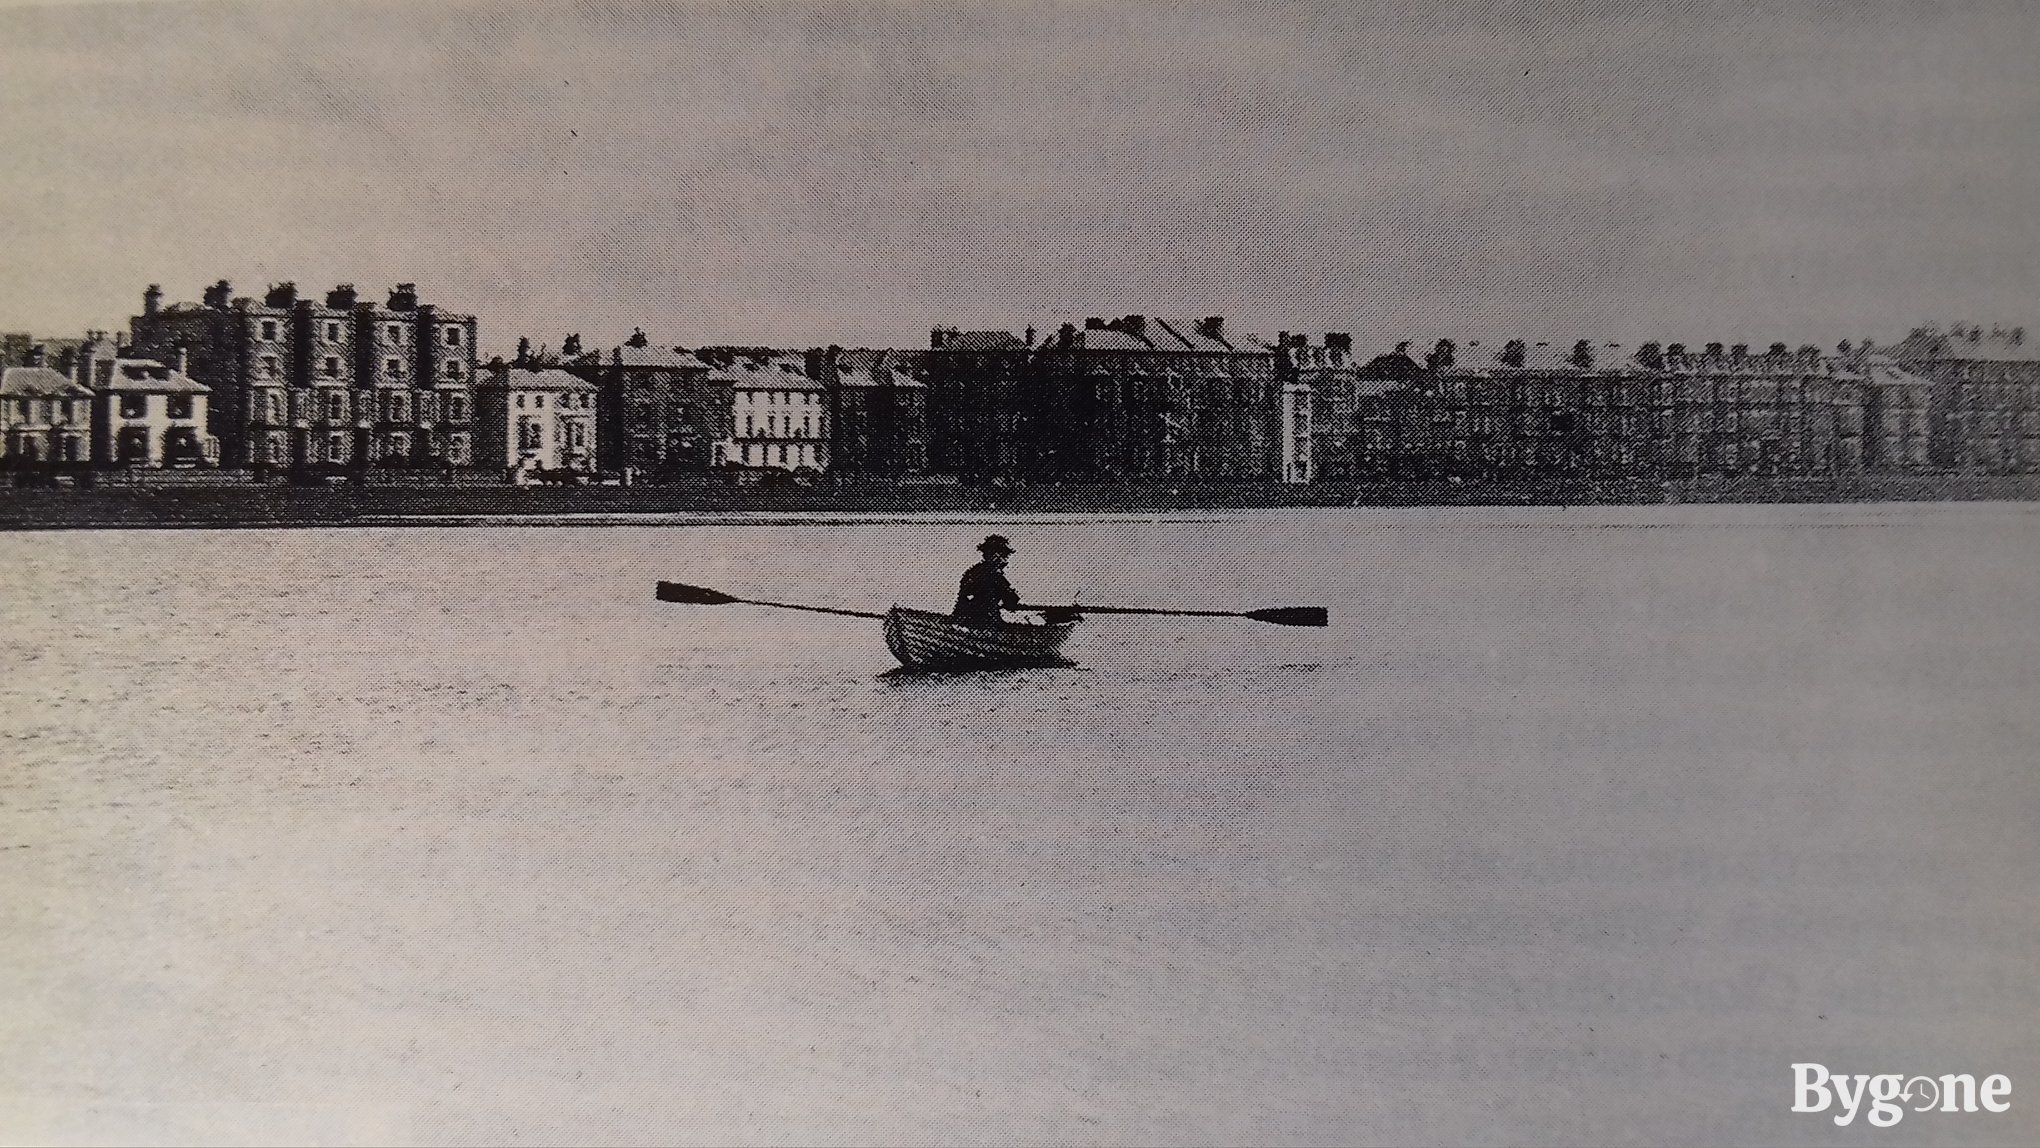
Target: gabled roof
(877,367)
(773,373)
(542,379)
(148,376)
(40,383)
(1396,364)
(662,358)
(1881,370)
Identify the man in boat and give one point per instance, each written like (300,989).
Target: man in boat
(984,590)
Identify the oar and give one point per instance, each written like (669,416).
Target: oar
(703,596)
(1278,615)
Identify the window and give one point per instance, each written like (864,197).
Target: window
(530,434)
(400,407)
(180,406)
(538,401)
(336,406)
(331,367)
(520,402)
(332,332)
(269,330)
(453,336)
(394,368)
(275,407)
(276,448)
(269,366)
(749,427)
(131,406)
(336,448)
(452,370)
(396,333)
(397,447)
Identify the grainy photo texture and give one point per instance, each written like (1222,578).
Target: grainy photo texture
(1043,571)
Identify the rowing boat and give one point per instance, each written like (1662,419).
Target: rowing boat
(926,641)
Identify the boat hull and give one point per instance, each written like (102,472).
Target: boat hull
(926,641)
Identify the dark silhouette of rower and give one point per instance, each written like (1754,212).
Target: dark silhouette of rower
(984,590)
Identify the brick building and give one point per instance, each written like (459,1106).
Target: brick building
(1135,397)
(1595,409)
(661,414)
(343,382)
(1985,411)
(878,411)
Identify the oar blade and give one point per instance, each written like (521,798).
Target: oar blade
(693,595)
(1292,615)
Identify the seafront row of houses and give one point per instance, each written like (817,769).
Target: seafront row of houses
(292,384)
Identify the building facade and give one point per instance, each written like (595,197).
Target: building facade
(339,383)
(1984,416)
(1132,398)
(661,414)
(779,415)
(45,416)
(536,421)
(1598,410)
(877,412)
(148,414)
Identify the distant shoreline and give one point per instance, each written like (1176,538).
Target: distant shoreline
(172,505)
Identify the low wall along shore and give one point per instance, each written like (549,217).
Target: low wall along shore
(217,505)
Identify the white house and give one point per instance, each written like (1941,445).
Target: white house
(530,420)
(780,416)
(44,417)
(150,415)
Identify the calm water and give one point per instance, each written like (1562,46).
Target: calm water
(1577,825)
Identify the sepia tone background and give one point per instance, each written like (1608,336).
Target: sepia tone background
(1578,825)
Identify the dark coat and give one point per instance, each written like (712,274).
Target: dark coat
(983,592)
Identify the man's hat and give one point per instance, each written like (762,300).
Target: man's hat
(996,544)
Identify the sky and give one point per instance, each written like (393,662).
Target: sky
(808,173)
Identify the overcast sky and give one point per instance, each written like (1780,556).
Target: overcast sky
(810,173)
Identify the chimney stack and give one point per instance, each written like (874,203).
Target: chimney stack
(152,299)
(341,298)
(219,295)
(404,297)
(1030,336)
(282,296)
(183,359)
